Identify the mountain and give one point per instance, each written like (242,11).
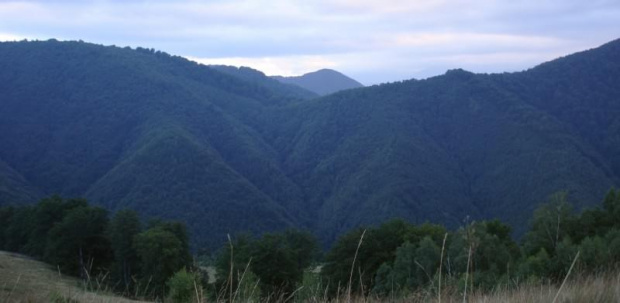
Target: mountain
(322,82)
(14,188)
(144,130)
(229,150)
(258,77)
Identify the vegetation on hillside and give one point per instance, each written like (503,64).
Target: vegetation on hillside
(229,150)
(78,239)
(322,82)
(396,259)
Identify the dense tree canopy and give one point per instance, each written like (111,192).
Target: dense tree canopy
(228,149)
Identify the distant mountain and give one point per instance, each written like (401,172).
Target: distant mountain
(257,77)
(231,150)
(322,82)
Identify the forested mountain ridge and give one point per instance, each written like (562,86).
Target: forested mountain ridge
(226,152)
(258,77)
(322,82)
(144,130)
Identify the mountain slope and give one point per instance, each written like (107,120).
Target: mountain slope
(111,123)
(441,149)
(14,188)
(254,76)
(228,150)
(322,82)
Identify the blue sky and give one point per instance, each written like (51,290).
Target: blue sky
(371,41)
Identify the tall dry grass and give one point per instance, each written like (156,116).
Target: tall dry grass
(26,280)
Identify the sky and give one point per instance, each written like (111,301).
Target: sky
(371,41)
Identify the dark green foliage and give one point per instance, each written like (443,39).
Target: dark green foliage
(275,264)
(78,244)
(124,226)
(239,253)
(17,233)
(378,247)
(277,260)
(230,150)
(612,239)
(6,214)
(304,248)
(551,224)
(79,240)
(594,253)
(162,253)
(534,266)
(489,254)
(415,266)
(611,206)
(183,287)
(47,213)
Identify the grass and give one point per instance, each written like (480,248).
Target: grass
(26,280)
(601,288)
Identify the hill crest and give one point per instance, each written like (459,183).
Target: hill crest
(322,82)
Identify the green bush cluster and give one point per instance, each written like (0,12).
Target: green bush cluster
(81,240)
(398,258)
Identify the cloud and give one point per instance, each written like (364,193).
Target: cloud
(373,41)
(272,66)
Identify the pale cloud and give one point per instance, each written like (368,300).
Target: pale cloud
(11,37)
(459,38)
(282,66)
(372,41)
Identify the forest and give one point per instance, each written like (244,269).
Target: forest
(227,150)
(152,260)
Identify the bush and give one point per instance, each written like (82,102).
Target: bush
(183,287)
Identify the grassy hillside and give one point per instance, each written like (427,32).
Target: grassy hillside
(26,280)
(228,149)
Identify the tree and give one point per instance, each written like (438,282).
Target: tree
(47,213)
(275,264)
(78,244)
(304,246)
(378,247)
(184,286)
(550,225)
(277,260)
(161,254)
(124,226)
(6,214)
(415,265)
(18,230)
(611,205)
(236,256)
(594,253)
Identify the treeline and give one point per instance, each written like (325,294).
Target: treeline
(398,258)
(393,259)
(83,241)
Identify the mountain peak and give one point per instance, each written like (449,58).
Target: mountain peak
(322,82)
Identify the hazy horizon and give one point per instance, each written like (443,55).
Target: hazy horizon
(372,42)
